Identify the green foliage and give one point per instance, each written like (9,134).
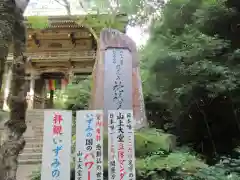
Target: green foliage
(139,11)
(147,141)
(151,140)
(155,151)
(60,99)
(98,21)
(211,13)
(225,169)
(38,22)
(191,65)
(182,54)
(36,175)
(164,160)
(74,96)
(78,95)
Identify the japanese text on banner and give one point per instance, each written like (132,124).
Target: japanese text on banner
(79,167)
(121,145)
(130,148)
(99,148)
(56,154)
(58,146)
(111,146)
(89,141)
(89,156)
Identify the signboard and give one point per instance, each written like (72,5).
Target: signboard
(121,155)
(118,65)
(117,79)
(56,145)
(89,145)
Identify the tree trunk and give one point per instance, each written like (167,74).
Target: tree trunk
(14,142)
(7,9)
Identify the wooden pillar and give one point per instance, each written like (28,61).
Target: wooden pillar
(51,99)
(43,93)
(70,76)
(7,84)
(31,92)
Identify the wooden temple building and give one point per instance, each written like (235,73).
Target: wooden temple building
(61,50)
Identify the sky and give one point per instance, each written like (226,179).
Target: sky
(51,8)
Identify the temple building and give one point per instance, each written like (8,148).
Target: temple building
(64,48)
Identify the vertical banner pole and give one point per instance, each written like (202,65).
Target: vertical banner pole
(121,154)
(56,155)
(89,145)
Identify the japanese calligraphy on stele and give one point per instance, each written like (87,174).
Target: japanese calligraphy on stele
(89,145)
(56,145)
(117,79)
(121,154)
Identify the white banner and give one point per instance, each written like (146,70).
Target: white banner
(121,154)
(56,154)
(89,145)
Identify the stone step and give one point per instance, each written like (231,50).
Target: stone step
(30,161)
(38,129)
(38,134)
(29,121)
(35,122)
(32,150)
(27,156)
(29,137)
(33,140)
(34,145)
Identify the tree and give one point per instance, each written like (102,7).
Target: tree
(191,61)
(7,18)
(78,95)
(6,29)
(13,142)
(140,12)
